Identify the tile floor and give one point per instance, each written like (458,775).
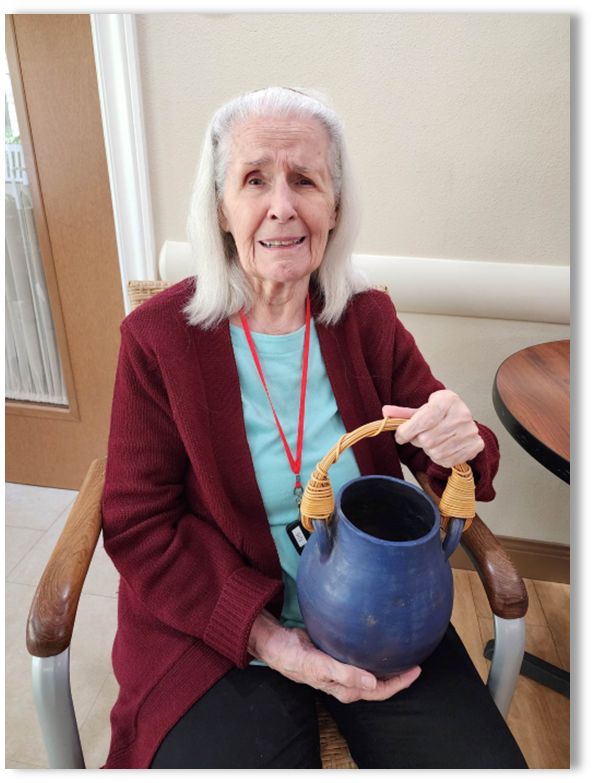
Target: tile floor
(35,517)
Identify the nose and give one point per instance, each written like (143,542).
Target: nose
(282,206)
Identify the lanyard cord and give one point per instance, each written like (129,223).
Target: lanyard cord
(296,463)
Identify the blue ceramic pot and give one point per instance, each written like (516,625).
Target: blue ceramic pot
(374,585)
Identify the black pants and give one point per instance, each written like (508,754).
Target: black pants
(254,718)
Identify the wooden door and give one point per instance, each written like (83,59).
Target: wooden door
(52,68)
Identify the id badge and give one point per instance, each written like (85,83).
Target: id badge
(298,535)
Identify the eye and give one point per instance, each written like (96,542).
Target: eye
(305,181)
(255,181)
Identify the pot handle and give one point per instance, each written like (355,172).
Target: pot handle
(458,499)
(455,531)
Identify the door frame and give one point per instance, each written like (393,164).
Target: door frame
(22,407)
(120,95)
(121,100)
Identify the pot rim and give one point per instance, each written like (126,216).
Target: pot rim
(432,532)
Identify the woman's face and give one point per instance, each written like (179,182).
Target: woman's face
(278,188)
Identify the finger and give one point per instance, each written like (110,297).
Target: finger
(450,434)
(451,460)
(440,439)
(343,674)
(387,688)
(459,456)
(465,447)
(398,412)
(470,451)
(426,418)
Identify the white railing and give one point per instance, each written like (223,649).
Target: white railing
(33,370)
(14,164)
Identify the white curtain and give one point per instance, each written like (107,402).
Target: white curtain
(32,360)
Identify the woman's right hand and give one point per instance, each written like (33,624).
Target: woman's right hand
(292,653)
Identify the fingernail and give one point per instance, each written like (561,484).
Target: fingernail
(369,683)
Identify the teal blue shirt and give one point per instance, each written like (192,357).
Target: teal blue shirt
(281,359)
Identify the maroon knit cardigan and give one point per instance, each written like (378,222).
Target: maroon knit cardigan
(183,518)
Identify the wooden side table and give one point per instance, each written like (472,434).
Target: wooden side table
(531,395)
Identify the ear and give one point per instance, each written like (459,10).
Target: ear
(334,216)
(223,222)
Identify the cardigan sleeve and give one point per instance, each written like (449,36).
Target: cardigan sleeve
(412,384)
(181,568)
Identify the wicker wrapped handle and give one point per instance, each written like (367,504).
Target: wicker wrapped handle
(318,502)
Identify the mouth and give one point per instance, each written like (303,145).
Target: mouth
(277,243)
(293,246)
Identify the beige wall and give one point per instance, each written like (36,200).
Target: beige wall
(458,125)
(465,353)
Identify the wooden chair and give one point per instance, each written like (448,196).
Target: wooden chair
(53,611)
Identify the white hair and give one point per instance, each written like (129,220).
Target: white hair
(222,287)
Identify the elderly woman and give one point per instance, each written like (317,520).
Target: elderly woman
(231,385)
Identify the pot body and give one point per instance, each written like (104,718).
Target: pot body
(375,586)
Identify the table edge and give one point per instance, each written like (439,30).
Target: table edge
(529,442)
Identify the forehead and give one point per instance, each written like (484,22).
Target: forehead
(269,139)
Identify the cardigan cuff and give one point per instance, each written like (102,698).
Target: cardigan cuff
(244,596)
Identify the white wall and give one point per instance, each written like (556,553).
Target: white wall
(458,125)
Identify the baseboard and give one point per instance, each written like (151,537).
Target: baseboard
(534,559)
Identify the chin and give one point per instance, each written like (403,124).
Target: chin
(288,274)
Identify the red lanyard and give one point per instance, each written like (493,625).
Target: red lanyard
(296,463)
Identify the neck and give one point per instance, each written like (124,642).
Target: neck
(279,308)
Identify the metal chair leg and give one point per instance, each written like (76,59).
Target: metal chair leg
(553,677)
(509,648)
(55,711)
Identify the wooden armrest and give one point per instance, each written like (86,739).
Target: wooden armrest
(52,613)
(504,587)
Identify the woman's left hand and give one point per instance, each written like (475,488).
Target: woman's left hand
(443,428)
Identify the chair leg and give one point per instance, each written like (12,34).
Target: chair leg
(55,711)
(509,648)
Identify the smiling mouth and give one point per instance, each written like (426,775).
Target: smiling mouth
(275,246)
(283,243)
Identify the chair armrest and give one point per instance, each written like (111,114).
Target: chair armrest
(504,586)
(52,613)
